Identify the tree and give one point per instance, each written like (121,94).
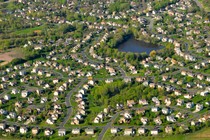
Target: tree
(152,53)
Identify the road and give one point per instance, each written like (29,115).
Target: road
(68,103)
(199,4)
(114,117)
(105,128)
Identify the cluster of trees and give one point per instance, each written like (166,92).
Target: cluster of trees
(119,6)
(120,92)
(162,3)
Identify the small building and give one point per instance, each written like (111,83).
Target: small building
(168,129)
(89,131)
(61,132)
(23,130)
(35,131)
(114,130)
(48,132)
(141,131)
(129,132)
(75,131)
(154,132)
(2,126)
(24,93)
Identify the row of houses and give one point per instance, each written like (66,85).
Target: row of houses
(47,132)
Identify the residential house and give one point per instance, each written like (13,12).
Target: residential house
(157,121)
(141,131)
(168,129)
(48,132)
(170,118)
(198,107)
(189,105)
(24,93)
(154,131)
(2,126)
(114,130)
(89,131)
(129,131)
(75,131)
(35,131)
(143,102)
(61,132)
(144,120)
(154,109)
(23,130)
(166,111)
(180,102)
(130,103)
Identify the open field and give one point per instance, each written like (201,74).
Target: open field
(11,54)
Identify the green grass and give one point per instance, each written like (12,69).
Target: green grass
(206,4)
(28,30)
(203,134)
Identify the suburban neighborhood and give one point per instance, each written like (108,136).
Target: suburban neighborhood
(76,80)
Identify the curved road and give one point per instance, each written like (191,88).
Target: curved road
(68,103)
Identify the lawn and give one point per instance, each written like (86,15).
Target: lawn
(29,30)
(203,134)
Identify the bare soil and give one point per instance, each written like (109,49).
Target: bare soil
(11,54)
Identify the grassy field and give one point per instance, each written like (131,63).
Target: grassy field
(203,134)
(29,30)
(206,4)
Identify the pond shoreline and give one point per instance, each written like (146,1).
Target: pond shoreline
(133,45)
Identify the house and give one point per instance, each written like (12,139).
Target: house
(129,131)
(170,118)
(165,111)
(2,126)
(204,93)
(22,73)
(168,129)
(75,131)
(24,93)
(167,101)
(35,131)
(143,102)
(189,105)
(14,91)
(127,80)
(114,130)
(140,111)
(48,132)
(23,130)
(4,79)
(61,132)
(50,121)
(7,97)
(11,129)
(91,82)
(199,107)
(177,93)
(130,103)
(154,131)
(157,121)
(156,101)
(141,131)
(144,120)
(180,102)
(154,109)
(89,131)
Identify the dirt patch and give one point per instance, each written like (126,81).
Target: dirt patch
(11,54)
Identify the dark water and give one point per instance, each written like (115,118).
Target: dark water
(133,45)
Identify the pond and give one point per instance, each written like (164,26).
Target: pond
(136,46)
